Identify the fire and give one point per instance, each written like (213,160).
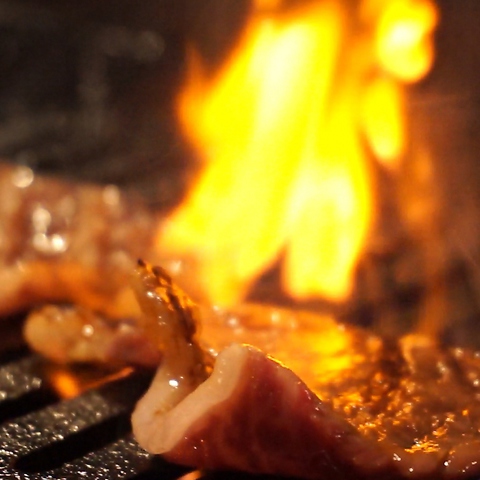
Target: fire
(70,382)
(287,130)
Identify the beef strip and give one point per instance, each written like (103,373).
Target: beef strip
(74,334)
(61,241)
(254,415)
(349,405)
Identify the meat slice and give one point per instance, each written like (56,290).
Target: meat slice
(61,241)
(166,331)
(255,415)
(74,334)
(349,405)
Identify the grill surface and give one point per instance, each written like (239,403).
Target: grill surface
(85,437)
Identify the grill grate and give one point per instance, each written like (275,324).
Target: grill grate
(84,437)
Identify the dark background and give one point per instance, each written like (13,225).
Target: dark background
(87,88)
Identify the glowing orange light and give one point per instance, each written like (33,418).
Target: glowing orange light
(282,130)
(404,40)
(383,120)
(68,383)
(267,4)
(65,384)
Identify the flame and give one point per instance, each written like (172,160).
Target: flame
(286,129)
(69,382)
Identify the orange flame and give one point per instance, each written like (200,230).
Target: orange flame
(283,130)
(70,381)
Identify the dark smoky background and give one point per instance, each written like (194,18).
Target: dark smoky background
(445,113)
(88,90)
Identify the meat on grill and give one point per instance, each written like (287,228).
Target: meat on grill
(62,241)
(75,334)
(349,405)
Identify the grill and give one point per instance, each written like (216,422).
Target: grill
(44,443)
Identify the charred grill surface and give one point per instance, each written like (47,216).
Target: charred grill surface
(87,436)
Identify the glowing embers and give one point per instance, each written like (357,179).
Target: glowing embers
(286,129)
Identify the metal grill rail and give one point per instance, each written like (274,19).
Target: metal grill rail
(85,437)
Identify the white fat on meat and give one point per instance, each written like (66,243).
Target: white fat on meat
(168,410)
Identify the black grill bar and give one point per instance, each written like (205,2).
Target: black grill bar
(84,437)
(20,378)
